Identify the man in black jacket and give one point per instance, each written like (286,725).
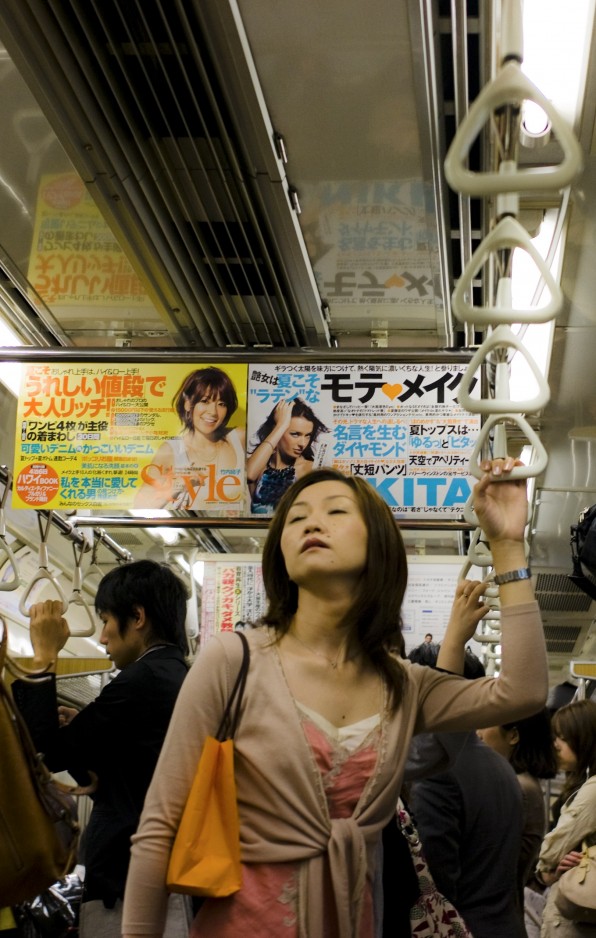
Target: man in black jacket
(118,737)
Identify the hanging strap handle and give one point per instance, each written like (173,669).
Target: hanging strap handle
(510,86)
(501,338)
(94,569)
(229,721)
(14,582)
(539,455)
(507,234)
(43,573)
(76,597)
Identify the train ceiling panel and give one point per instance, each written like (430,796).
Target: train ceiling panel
(273,179)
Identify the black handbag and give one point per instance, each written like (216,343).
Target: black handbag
(583,551)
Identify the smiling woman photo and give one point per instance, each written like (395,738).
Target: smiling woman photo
(178,474)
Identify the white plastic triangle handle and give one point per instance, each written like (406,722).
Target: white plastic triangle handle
(43,574)
(468,511)
(501,337)
(508,233)
(76,598)
(14,581)
(539,456)
(510,86)
(479,551)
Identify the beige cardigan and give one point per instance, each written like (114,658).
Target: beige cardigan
(282,804)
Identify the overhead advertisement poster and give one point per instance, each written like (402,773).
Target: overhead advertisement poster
(399,427)
(230,439)
(146,436)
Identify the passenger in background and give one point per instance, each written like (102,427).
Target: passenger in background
(469,817)
(528,746)
(282,454)
(118,736)
(425,653)
(329,712)
(574,727)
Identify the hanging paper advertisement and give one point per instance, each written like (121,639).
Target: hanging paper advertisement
(399,427)
(232,594)
(147,436)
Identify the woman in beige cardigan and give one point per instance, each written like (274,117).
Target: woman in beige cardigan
(329,711)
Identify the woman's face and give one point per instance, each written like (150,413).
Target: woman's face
(208,414)
(325,535)
(566,757)
(296,438)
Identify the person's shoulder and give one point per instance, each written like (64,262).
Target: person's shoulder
(165,452)
(588,789)
(168,655)
(229,644)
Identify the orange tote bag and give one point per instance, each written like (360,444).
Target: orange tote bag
(205,858)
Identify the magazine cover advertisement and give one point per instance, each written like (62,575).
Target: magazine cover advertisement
(397,426)
(146,436)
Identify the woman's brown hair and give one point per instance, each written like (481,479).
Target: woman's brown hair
(534,751)
(205,383)
(575,723)
(375,615)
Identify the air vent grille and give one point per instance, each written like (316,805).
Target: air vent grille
(561,639)
(556,593)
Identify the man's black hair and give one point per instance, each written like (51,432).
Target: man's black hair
(156,588)
(428,652)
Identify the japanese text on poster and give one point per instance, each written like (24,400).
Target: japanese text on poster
(397,426)
(131,436)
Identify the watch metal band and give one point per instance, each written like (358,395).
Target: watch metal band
(524,573)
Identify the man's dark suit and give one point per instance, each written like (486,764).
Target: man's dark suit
(470,820)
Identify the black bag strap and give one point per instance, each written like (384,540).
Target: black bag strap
(229,721)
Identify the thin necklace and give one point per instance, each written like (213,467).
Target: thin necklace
(332,661)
